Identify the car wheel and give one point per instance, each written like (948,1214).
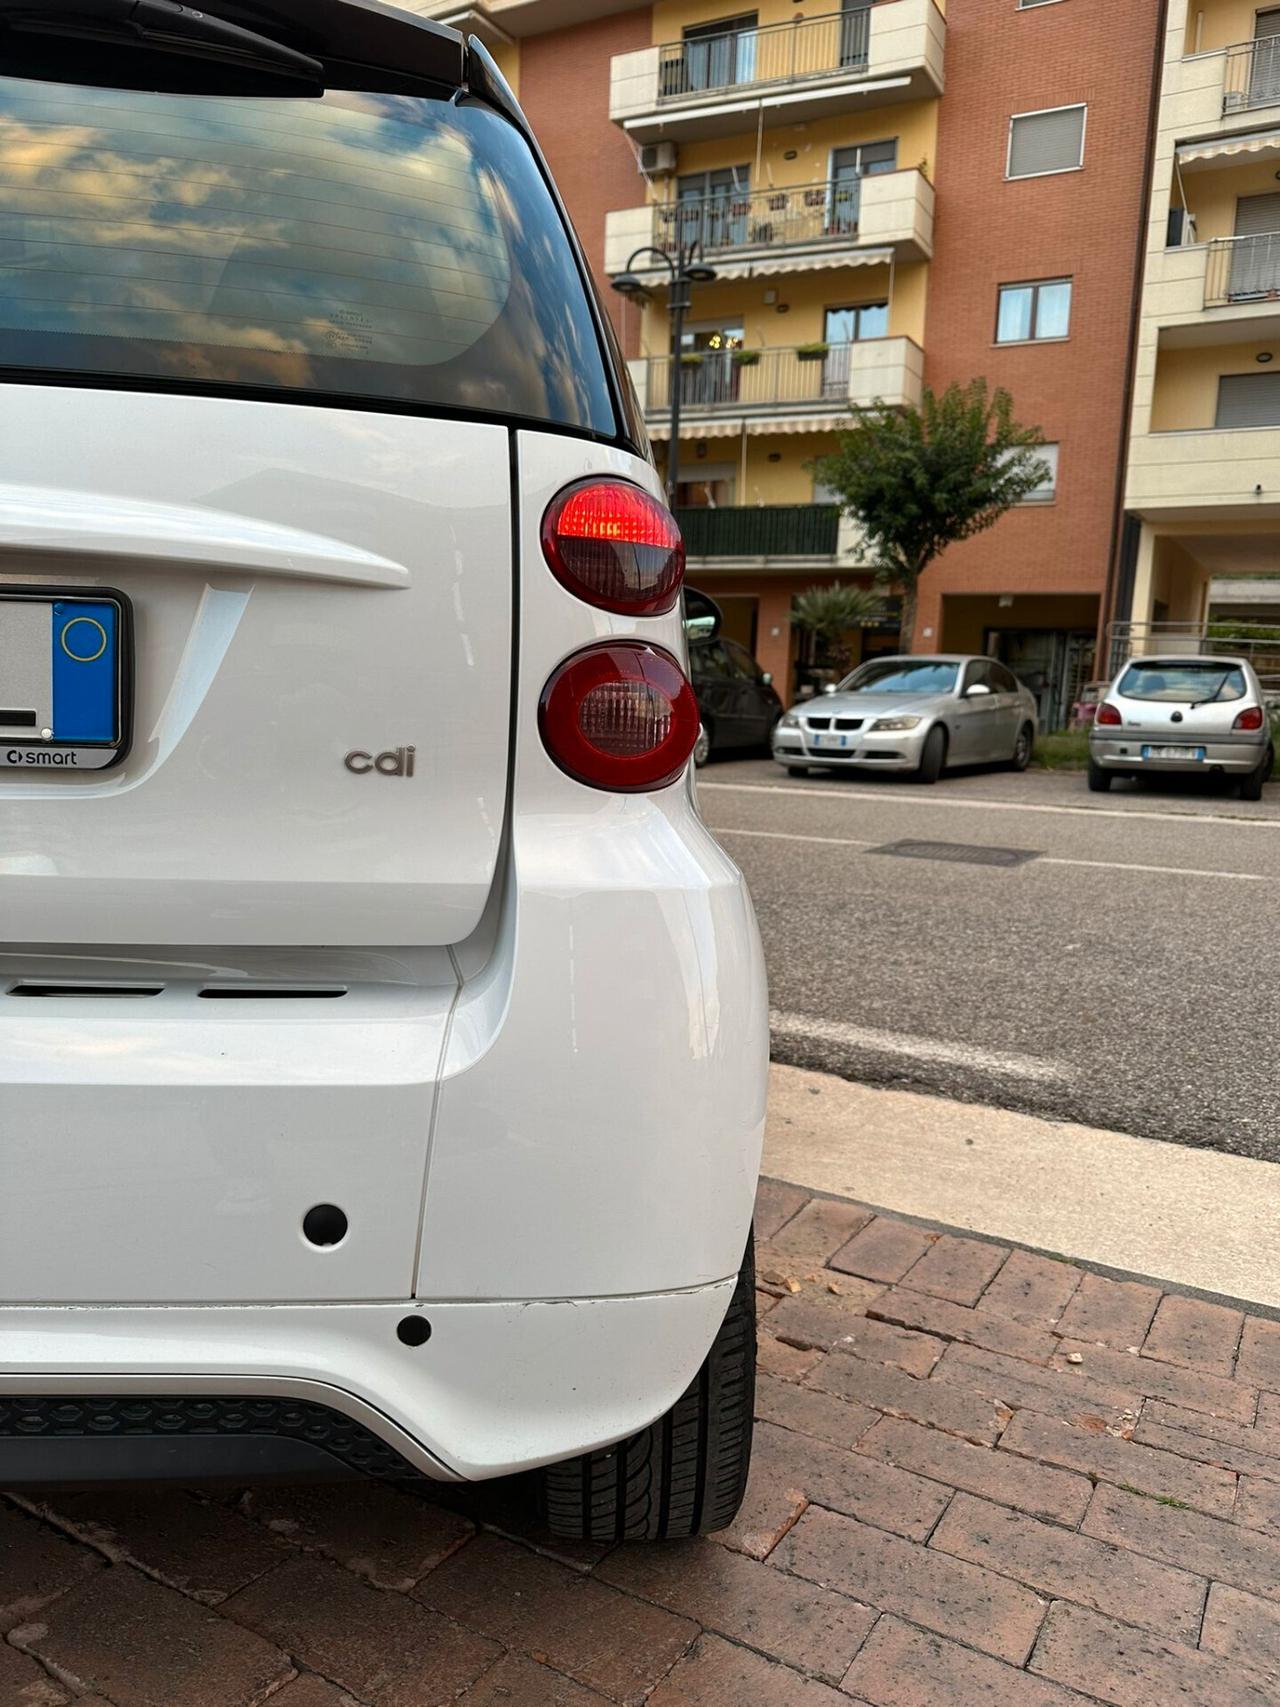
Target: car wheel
(684,1475)
(797,770)
(1099,779)
(1023,748)
(934,756)
(1252,785)
(702,746)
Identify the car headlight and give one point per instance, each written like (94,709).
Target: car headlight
(897,723)
(789,720)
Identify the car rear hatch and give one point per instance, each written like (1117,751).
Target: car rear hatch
(265,334)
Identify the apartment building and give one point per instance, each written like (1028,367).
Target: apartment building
(888,192)
(1203,486)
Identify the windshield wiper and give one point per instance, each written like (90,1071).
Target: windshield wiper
(1210,697)
(164,26)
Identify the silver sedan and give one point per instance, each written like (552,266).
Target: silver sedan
(915,715)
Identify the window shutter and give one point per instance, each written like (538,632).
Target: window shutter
(1265,24)
(1249,400)
(1046,142)
(1257,215)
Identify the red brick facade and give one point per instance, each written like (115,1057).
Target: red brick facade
(564,90)
(1001,60)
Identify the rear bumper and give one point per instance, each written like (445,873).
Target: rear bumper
(1238,757)
(497,1388)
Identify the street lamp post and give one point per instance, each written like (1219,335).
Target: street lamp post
(686,270)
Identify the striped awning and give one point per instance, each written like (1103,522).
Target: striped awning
(754,426)
(771,266)
(1262,144)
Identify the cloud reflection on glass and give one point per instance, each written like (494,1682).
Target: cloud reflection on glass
(379,246)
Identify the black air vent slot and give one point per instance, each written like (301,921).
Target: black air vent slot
(28,987)
(268,993)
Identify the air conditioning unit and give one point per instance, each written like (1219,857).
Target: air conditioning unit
(657,159)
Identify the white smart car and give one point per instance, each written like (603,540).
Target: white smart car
(382,1036)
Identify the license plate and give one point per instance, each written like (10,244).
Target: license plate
(1193,753)
(65,672)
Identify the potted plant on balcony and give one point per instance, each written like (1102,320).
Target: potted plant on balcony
(745,358)
(815,352)
(691,358)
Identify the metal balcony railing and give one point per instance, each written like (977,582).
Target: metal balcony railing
(803,213)
(1242,269)
(1221,638)
(1252,77)
(765,530)
(769,53)
(742,379)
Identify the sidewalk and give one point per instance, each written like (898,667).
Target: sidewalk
(981,1477)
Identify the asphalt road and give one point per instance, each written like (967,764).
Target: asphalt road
(1126,976)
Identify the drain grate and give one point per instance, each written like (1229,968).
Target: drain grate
(959,853)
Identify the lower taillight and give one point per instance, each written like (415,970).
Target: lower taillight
(1250,719)
(620,716)
(1108,716)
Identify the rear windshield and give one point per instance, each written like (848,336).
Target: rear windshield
(390,248)
(899,675)
(1200,680)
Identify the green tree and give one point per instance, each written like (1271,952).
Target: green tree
(828,613)
(917,480)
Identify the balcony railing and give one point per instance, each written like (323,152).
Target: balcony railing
(771,53)
(1252,77)
(1242,269)
(807,213)
(742,379)
(767,530)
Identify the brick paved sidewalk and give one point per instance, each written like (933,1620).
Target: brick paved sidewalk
(981,1477)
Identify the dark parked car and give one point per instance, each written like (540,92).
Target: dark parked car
(736,698)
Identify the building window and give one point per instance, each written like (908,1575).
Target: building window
(1248,400)
(1047,490)
(1030,313)
(1026,5)
(1044,142)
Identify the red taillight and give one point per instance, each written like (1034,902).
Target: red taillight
(1108,716)
(614,546)
(620,715)
(1250,719)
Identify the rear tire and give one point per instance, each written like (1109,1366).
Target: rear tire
(1099,779)
(934,756)
(686,1474)
(1251,786)
(1023,748)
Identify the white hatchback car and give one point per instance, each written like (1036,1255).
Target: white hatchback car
(383,1038)
(1188,714)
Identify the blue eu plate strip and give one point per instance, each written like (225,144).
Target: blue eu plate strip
(85,644)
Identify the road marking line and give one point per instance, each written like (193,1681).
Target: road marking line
(789,836)
(807,1028)
(1159,870)
(989,805)
(1040,859)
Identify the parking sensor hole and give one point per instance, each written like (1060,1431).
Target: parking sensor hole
(414,1330)
(325,1225)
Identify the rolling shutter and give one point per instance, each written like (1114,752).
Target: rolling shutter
(1256,215)
(1046,142)
(1266,24)
(1249,400)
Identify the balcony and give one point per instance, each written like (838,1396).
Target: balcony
(874,55)
(1231,284)
(884,216)
(1222,92)
(1213,473)
(727,392)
